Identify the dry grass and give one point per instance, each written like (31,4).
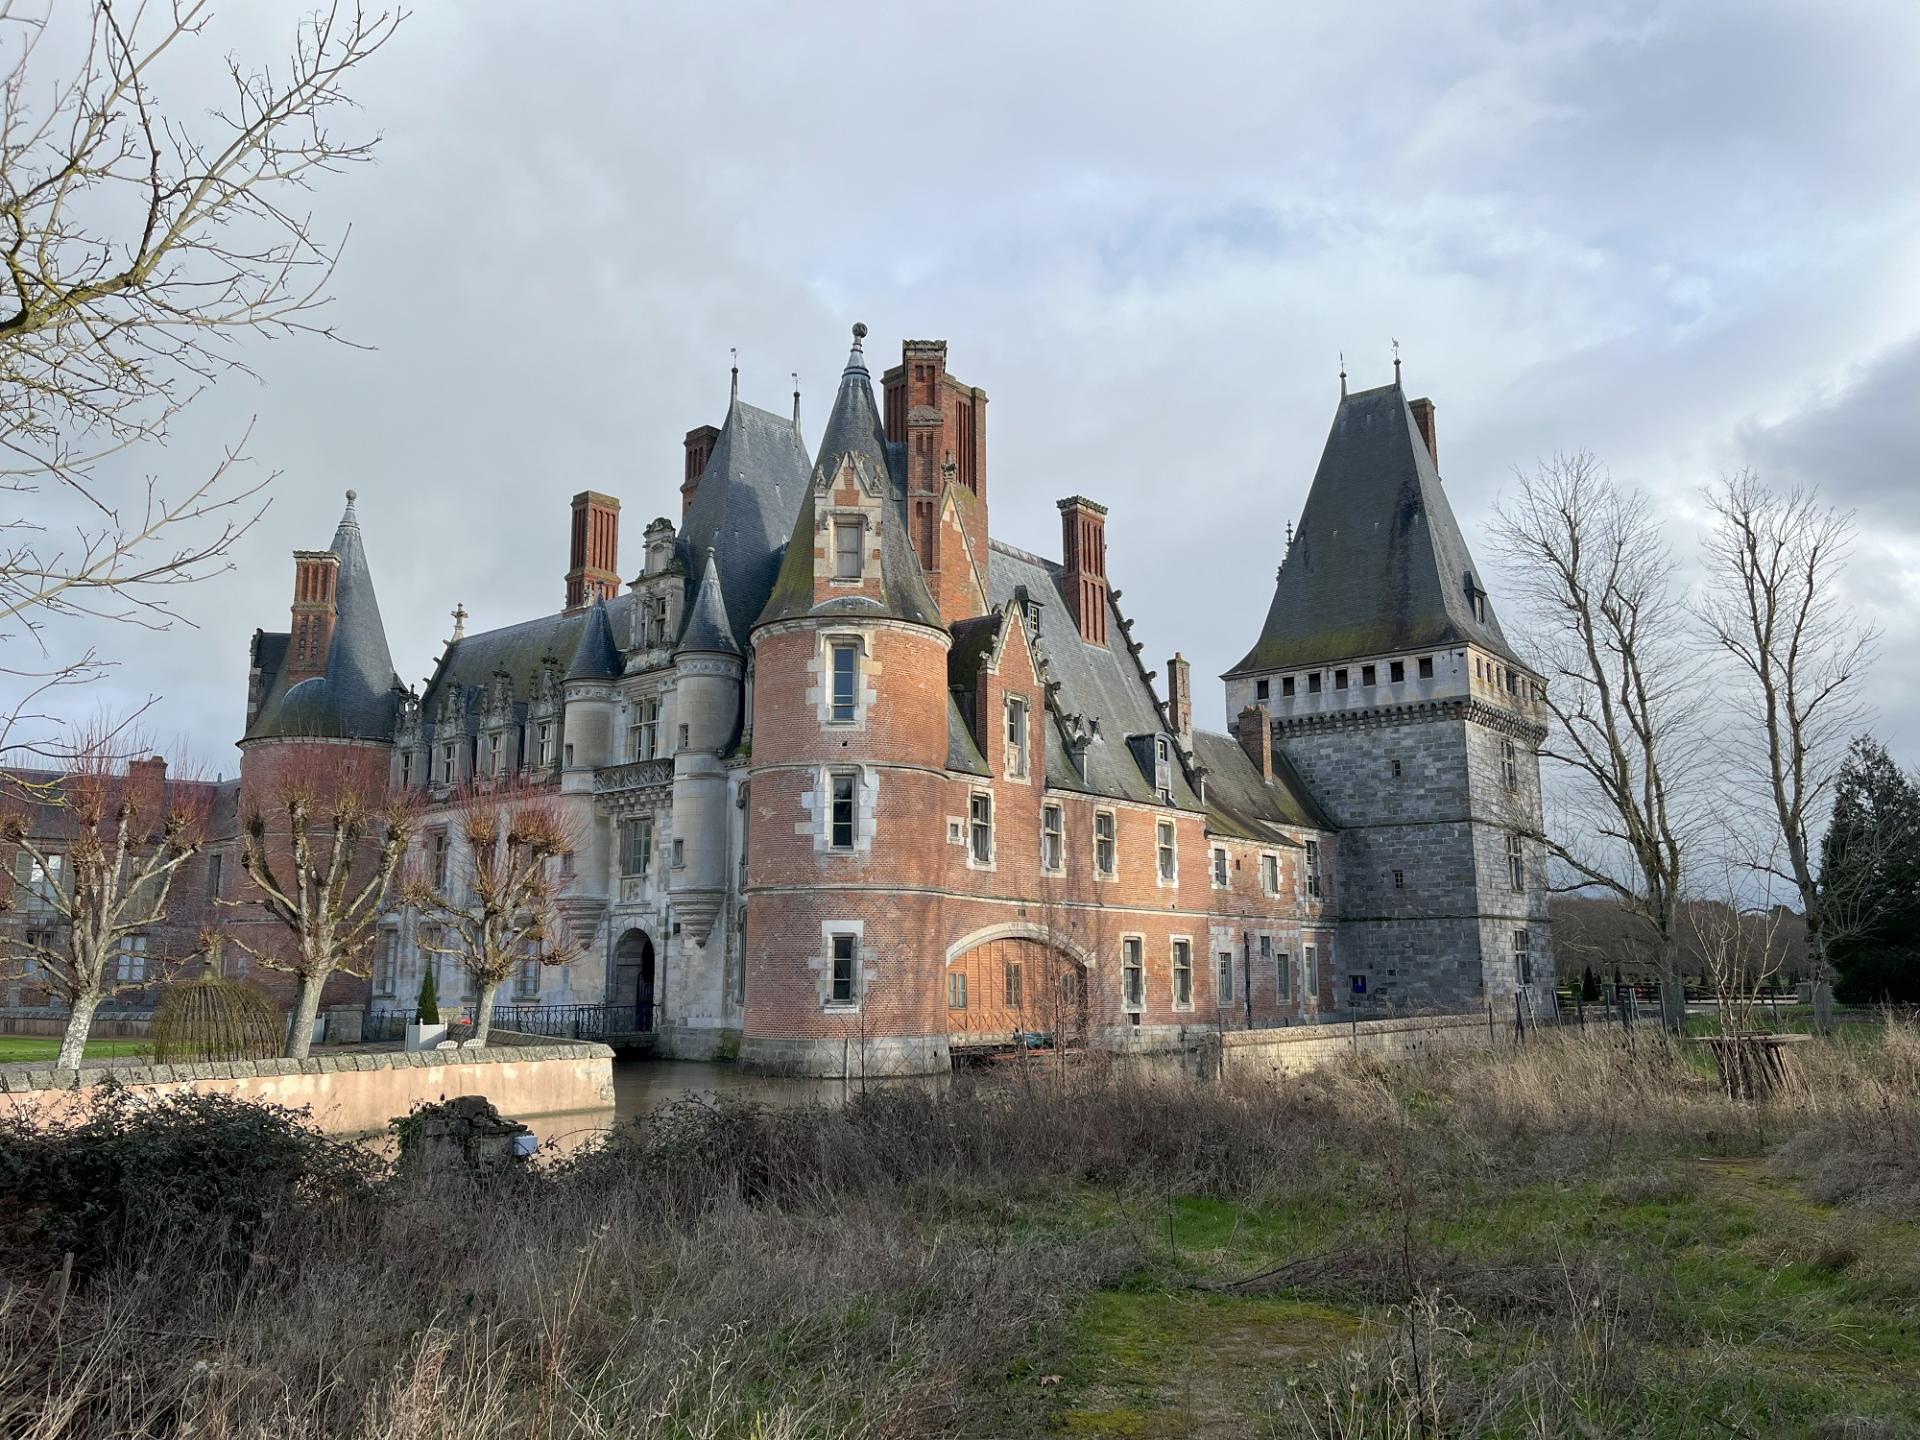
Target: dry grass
(913,1263)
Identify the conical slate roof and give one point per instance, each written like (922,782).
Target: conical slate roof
(595,656)
(708,630)
(1378,564)
(358,696)
(854,431)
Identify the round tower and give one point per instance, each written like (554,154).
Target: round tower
(708,666)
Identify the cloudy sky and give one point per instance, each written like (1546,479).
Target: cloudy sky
(1686,237)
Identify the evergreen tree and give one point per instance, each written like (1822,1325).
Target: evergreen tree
(1870,869)
(429,1004)
(1590,986)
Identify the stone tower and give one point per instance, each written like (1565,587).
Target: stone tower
(1394,695)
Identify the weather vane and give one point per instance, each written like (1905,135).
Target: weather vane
(1396,362)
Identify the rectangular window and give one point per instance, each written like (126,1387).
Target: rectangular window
(544,746)
(386,975)
(1339,679)
(1369,675)
(1133,973)
(216,866)
(1286,687)
(956,990)
(847,547)
(1261,689)
(1165,848)
(1522,958)
(1053,839)
(646,728)
(842,819)
(1225,978)
(1516,864)
(844,959)
(437,845)
(1282,982)
(132,960)
(636,845)
(1220,879)
(1310,965)
(980,827)
(494,752)
(1397,671)
(527,982)
(1016,737)
(1183,974)
(1269,874)
(1313,683)
(1011,983)
(448,760)
(1399,879)
(1105,852)
(406,769)
(846,681)
(1509,765)
(1313,868)
(1395,764)
(1426,667)
(679,852)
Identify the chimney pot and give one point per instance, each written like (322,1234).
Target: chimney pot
(1254,729)
(593,556)
(1083,551)
(1423,417)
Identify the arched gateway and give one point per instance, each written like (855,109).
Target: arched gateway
(1014,981)
(633,977)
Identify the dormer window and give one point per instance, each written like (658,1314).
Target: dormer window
(1476,599)
(848,549)
(1016,737)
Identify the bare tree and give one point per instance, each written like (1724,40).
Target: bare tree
(123,833)
(137,248)
(1774,607)
(497,910)
(1609,633)
(324,877)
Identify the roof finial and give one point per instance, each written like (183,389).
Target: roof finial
(459,621)
(1396,362)
(857,358)
(735,393)
(1289,535)
(1343,374)
(796,399)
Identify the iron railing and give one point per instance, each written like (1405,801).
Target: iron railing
(559,1022)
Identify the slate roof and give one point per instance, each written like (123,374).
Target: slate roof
(1239,802)
(470,663)
(359,695)
(854,429)
(1378,564)
(595,655)
(743,508)
(708,630)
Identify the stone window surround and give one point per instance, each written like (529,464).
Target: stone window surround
(830,520)
(1019,760)
(1058,813)
(1113,874)
(1225,995)
(817,802)
(1270,861)
(1216,869)
(992,862)
(820,672)
(1161,878)
(822,966)
(1174,942)
(1139,1002)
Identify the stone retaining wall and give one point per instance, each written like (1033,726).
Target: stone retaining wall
(351,1092)
(1239,1053)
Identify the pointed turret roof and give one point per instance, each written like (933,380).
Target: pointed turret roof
(854,432)
(1378,564)
(595,656)
(358,695)
(708,629)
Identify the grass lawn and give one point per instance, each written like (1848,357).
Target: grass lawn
(24,1049)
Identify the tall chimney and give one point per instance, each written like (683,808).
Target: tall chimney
(1255,733)
(1083,551)
(699,451)
(593,557)
(316,573)
(1180,697)
(147,787)
(1423,417)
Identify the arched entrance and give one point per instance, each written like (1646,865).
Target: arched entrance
(633,978)
(1011,986)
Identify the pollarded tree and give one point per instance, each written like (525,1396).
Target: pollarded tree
(1608,631)
(124,832)
(496,908)
(322,850)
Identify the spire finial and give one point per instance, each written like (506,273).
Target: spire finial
(1289,535)
(796,399)
(1343,374)
(859,332)
(734,394)
(459,620)
(857,357)
(1396,362)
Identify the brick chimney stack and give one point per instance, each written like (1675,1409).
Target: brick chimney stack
(316,573)
(1083,551)
(147,785)
(593,558)
(942,423)
(699,451)
(1180,698)
(1255,733)
(1423,417)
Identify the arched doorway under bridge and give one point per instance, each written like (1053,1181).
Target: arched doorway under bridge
(633,981)
(1010,984)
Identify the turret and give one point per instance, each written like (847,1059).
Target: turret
(588,687)
(708,665)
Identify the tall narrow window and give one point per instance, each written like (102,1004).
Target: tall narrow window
(438,849)
(1104,852)
(544,745)
(956,989)
(1165,849)
(527,982)
(1509,765)
(1522,958)
(216,864)
(1133,973)
(1282,982)
(1012,981)
(387,977)
(495,752)
(845,959)
(980,827)
(406,769)
(1516,864)
(1183,974)
(1053,839)
(842,820)
(1310,965)
(636,845)
(1220,879)
(1269,874)
(448,758)
(646,727)
(1224,980)
(846,680)
(847,545)
(1016,737)
(1313,868)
